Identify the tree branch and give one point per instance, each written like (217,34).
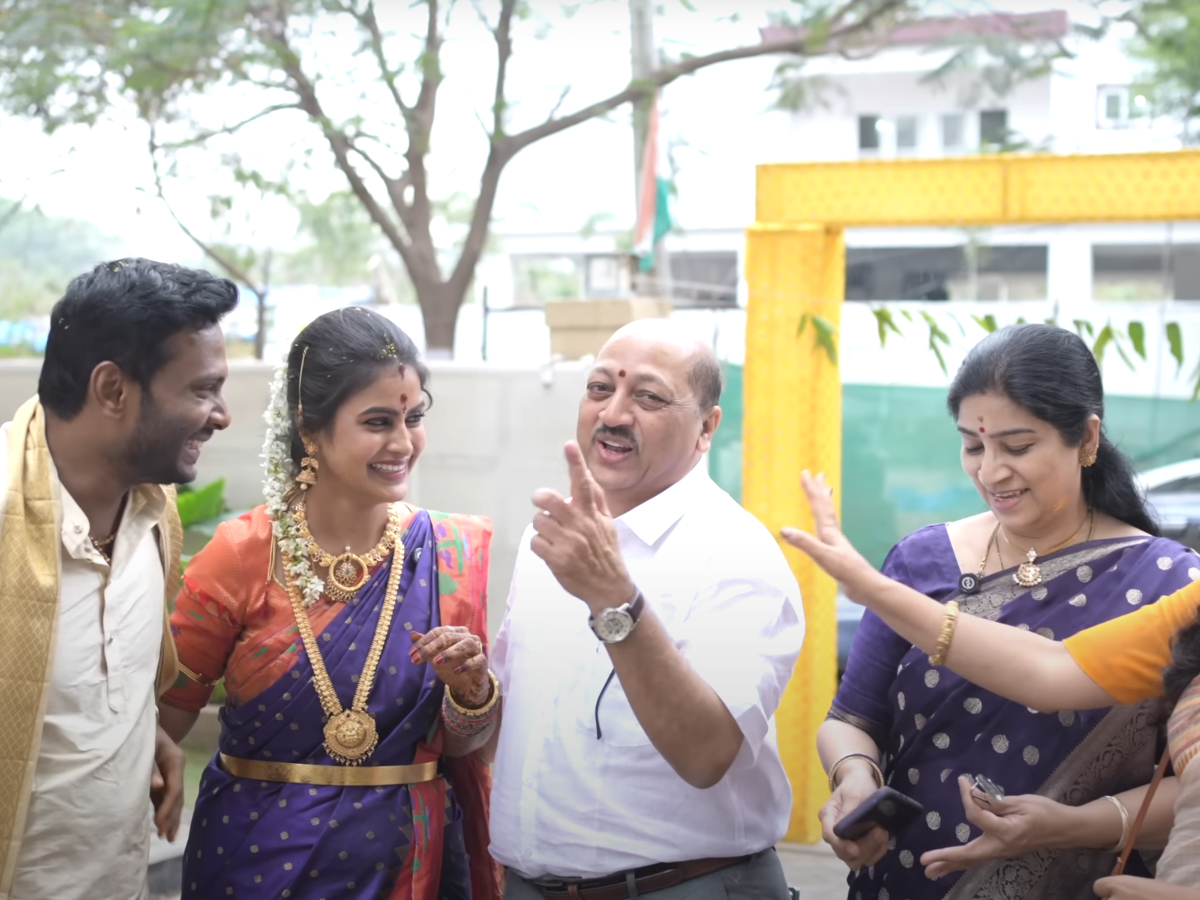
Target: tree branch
(203,136)
(665,75)
(368,20)
(231,268)
(504,47)
(339,143)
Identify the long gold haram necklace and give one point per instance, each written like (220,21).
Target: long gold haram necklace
(348,571)
(1029,573)
(350,734)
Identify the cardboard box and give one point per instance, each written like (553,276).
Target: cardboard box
(579,328)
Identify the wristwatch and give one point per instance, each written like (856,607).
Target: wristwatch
(614,625)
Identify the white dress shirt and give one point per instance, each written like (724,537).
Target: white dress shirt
(567,802)
(88,830)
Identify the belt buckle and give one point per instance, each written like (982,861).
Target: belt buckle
(556,884)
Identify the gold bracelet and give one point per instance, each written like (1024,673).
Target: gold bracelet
(1124,824)
(482,711)
(874,768)
(942,649)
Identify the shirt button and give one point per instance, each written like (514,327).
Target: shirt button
(79,529)
(112,639)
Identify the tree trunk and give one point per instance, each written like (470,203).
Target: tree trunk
(440,304)
(260,334)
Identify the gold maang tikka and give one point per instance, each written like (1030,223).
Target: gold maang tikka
(308,465)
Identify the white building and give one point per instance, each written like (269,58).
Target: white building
(889,104)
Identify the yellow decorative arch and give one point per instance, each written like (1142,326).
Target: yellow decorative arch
(795,266)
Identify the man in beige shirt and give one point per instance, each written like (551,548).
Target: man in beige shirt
(130,389)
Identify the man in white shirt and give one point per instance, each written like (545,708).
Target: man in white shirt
(652,626)
(89,551)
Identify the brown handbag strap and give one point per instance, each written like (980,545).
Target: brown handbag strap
(1141,816)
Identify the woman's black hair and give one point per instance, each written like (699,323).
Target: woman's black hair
(1050,372)
(1185,663)
(347,349)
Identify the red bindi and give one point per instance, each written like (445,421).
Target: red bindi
(982,429)
(621,373)
(404,398)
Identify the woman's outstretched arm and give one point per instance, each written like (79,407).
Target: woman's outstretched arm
(1019,665)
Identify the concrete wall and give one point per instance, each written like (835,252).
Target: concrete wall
(495,435)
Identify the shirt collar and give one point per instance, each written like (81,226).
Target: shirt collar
(146,501)
(649,521)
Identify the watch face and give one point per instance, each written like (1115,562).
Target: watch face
(613,625)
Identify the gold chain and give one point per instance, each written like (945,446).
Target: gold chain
(348,571)
(1032,553)
(350,735)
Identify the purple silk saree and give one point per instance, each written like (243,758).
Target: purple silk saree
(933,726)
(271,839)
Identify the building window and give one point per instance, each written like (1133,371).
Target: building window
(607,276)
(993,127)
(868,132)
(907,134)
(1122,106)
(952,132)
(704,278)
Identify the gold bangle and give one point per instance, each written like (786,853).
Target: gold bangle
(942,649)
(870,762)
(196,676)
(482,711)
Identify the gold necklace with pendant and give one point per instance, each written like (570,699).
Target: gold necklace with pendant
(350,734)
(348,571)
(1029,573)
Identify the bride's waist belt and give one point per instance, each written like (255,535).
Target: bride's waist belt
(339,776)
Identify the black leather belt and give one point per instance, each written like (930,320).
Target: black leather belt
(626,885)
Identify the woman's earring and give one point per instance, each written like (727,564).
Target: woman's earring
(1087,457)
(308,465)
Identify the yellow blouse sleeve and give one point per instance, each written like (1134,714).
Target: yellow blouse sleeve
(1126,656)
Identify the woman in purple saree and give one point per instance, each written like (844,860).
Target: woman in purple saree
(1028,403)
(296,803)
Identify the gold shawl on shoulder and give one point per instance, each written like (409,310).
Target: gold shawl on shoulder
(29,573)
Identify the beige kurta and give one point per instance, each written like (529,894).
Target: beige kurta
(82,649)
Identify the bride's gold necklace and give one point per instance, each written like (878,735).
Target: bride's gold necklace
(1029,573)
(348,571)
(350,734)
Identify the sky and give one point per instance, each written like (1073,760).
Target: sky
(103,173)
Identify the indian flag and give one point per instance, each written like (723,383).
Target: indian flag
(654,217)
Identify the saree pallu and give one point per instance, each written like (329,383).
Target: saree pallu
(936,726)
(271,839)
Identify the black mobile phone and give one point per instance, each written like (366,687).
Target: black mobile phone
(888,808)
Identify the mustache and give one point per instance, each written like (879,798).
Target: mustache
(620,432)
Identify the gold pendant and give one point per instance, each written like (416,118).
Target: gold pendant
(350,737)
(1028,573)
(347,575)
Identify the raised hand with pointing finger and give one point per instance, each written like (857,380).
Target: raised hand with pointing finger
(578,540)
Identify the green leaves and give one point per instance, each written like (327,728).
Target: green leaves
(201,504)
(1175,342)
(937,336)
(1137,337)
(885,322)
(986,322)
(824,334)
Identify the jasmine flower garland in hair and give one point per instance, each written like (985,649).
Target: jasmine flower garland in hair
(277,487)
